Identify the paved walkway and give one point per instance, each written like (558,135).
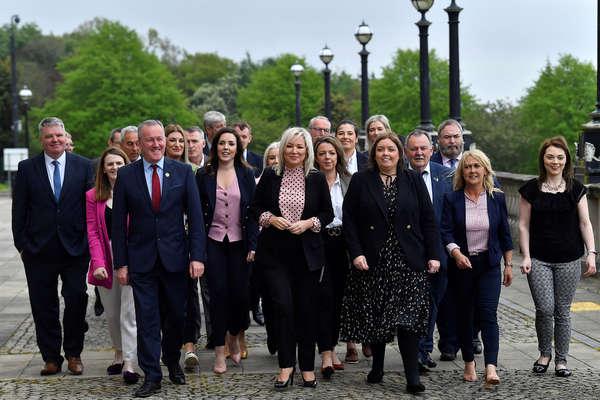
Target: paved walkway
(20,363)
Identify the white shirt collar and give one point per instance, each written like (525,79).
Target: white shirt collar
(61,159)
(160,163)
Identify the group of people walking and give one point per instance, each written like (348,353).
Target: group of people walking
(343,246)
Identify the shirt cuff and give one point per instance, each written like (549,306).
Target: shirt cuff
(264,219)
(316,227)
(451,246)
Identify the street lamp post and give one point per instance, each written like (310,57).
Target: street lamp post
(423,6)
(454,70)
(589,140)
(25,94)
(14,20)
(326,55)
(297,70)
(363,35)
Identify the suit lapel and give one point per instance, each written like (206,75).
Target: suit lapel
(40,165)
(375,188)
(68,178)
(461,211)
(167,181)
(140,173)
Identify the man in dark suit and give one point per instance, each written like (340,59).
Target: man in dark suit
(153,252)
(438,181)
(450,143)
(213,121)
(245,131)
(48,224)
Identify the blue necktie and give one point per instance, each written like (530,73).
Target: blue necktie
(453,163)
(56,179)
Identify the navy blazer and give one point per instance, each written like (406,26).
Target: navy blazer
(163,234)
(207,187)
(366,221)
(317,203)
(362,160)
(441,183)
(256,162)
(454,230)
(437,158)
(37,216)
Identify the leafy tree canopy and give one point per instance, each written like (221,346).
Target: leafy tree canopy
(197,69)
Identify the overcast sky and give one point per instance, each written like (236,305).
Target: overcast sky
(503,44)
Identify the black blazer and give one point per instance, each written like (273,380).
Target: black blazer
(454,230)
(256,162)
(207,187)
(37,216)
(366,221)
(362,160)
(317,203)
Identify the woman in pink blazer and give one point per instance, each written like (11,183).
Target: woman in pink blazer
(117,299)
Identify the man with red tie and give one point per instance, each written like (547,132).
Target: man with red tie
(154,253)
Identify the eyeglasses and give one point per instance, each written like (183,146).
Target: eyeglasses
(323,130)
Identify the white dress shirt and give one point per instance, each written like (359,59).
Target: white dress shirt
(353,163)
(426,175)
(337,199)
(446,162)
(62,160)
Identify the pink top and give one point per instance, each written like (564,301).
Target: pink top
(291,199)
(100,252)
(226,218)
(477,224)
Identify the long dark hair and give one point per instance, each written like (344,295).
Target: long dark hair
(213,158)
(394,138)
(102,183)
(341,166)
(567,174)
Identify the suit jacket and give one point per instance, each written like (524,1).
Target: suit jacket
(99,243)
(437,158)
(454,230)
(317,203)
(362,160)
(37,216)
(441,183)
(255,161)
(207,187)
(366,221)
(151,235)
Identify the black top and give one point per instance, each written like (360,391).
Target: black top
(554,233)
(108,221)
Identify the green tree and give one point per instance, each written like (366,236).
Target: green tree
(558,103)
(197,69)
(397,95)
(111,81)
(24,33)
(268,101)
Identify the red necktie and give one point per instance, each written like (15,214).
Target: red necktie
(155,190)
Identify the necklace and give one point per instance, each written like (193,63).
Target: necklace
(548,187)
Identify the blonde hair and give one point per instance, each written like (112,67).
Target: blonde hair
(290,133)
(481,158)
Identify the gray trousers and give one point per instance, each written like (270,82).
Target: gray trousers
(553,287)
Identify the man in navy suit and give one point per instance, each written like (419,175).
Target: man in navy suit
(245,131)
(438,181)
(48,224)
(153,252)
(450,143)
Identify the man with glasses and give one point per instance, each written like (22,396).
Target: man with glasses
(319,126)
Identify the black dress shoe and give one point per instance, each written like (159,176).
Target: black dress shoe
(447,356)
(428,362)
(147,389)
(98,307)
(563,372)
(477,349)
(176,374)
(414,388)
(375,376)
(309,384)
(258,316)
(114,369)
(131,378)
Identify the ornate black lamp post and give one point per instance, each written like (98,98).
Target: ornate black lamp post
(297,70)
(326,55)
(453,10)
(25,94)
(363,35)
(14,20)
(423,6)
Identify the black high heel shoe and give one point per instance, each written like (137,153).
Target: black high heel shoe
(279,385)
(327,372)
(540,368)
(414,388)
(310,384)
(375,376)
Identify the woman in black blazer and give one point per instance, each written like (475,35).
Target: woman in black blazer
(476,234)
(292,205)
(393,241)
(226,185)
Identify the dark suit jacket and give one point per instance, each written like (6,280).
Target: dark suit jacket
(37,216)
(317,203)
(151,235)
(362,159)
(441,183)
(255,161)
(454,231)
(366,221)
(437,158)
(207,187)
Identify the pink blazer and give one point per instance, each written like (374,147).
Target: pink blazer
(100,253)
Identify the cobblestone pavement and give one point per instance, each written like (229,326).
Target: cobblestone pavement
(20,362)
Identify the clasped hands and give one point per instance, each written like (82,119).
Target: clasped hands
(296,228)
(360,263)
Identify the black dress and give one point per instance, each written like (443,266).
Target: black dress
(387,297)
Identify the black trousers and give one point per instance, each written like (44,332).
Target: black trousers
(408,343)
(331,292)
(228,276)
(42,271)
(293,292)
(165,292)
(193,321)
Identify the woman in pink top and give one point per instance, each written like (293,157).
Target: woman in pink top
(117,299)
(226,185)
